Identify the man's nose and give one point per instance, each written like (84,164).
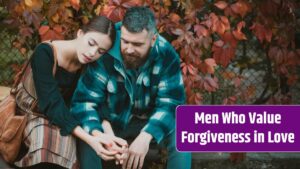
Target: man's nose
(129,49)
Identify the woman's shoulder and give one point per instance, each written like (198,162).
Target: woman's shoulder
(43,46)
(42,52)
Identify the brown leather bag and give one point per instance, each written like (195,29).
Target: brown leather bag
(14,110)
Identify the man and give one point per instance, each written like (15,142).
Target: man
(133,91)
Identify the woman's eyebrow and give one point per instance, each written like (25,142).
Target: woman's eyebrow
(94,41)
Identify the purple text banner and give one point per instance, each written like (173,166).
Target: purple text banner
(238,128)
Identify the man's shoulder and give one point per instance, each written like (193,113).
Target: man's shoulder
(166,50)
(164,46)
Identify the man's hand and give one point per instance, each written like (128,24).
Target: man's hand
(137,151)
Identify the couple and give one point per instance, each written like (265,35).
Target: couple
(129,91)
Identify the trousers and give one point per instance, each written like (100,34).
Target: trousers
(88,158)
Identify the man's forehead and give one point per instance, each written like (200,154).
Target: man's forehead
(139,37)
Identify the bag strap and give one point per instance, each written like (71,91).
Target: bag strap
(23,70)
(20,74)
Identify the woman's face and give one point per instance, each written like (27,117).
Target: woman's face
(92,45)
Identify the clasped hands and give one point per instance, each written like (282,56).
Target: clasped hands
(115,148)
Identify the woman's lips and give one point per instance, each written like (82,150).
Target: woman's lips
(87,58)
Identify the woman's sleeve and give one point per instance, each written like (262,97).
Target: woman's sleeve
(50,100)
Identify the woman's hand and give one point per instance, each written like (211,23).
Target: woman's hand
(98,144)
(113,144)
(106,146)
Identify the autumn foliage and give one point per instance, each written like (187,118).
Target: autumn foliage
(206,34)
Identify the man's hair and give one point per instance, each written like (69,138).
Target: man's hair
(137,19)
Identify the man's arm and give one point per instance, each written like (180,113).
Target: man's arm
(170,94)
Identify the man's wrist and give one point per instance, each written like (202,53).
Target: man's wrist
(148,137)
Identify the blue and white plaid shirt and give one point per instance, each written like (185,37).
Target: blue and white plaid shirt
(108,91)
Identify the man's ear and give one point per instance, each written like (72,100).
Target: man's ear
(80,33)
(154,37)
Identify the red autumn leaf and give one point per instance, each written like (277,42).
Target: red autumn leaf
(224,50)
(174,18)
(210,84)
(241,7)
(238,34)
(201,30)
(219,43)
(75,4)
(195,98)
(230,100)
(191,69)
(116,9)
(184,68)
(228,75)
(113,13)
(221,4)
(43,29)
(58,29)
(26,31)
(225,22)
(93,1)
(218,24)
(210,65)
(52,35)
(262,32)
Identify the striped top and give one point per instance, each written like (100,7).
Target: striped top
(108,91)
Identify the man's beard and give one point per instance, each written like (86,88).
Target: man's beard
(133,61)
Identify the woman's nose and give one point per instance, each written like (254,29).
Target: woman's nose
(94,51)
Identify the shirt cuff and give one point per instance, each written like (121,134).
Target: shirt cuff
(157,133)
(92,125)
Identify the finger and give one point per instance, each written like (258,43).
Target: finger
(105,141)
(124,156)
(125,162)
(118,157)
(141,163)
(136,161)
(106,157)
(130,161)
(106,152)
(121,141)
(115,147)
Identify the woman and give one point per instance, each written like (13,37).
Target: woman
(49,141)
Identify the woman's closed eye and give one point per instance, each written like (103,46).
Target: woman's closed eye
(101,51)
(91,43)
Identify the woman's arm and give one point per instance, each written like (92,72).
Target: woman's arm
(107,127)
(50,100)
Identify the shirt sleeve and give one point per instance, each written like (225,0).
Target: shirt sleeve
(89,95)
(50,100)
(170,94)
